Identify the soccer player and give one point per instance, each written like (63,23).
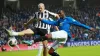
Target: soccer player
(40,28)
(62,35)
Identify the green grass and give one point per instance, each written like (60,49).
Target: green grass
(68,51)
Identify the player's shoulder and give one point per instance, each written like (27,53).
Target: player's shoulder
(69,18)
(46,11)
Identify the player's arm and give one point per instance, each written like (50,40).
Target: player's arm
(54,14)
(73,21)
(32,19)
(54,23)
(29,22)
(55,27)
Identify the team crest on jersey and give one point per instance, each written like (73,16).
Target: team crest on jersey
(61,23)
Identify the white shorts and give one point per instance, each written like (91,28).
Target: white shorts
(61,36)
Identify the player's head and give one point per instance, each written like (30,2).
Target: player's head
(61,13)
(41,7)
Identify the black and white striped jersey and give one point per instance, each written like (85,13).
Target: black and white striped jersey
(44,15)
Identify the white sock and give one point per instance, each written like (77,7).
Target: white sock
(55,45)
(40,49)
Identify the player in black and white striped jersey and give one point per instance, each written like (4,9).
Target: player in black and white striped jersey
(45,14)
(40,28)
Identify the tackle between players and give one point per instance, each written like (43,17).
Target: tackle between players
(60,36)
(40,28)
(63,34)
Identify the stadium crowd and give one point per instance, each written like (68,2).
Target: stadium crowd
(16,18)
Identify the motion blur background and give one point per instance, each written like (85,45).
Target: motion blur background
(17,12)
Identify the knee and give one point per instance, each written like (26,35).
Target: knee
(51,51)
(45,44)
(48,36)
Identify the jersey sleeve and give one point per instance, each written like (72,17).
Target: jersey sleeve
(51,13)
(54,23)
(50,19)
(73,21)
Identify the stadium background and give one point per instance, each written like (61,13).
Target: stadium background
(17,12)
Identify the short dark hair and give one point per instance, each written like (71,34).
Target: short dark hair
(59,11)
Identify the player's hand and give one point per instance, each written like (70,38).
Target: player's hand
(93,29)
(40,19)
(57,16)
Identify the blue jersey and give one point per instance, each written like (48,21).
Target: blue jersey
(64,24)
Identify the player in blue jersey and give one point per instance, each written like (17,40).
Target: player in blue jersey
(62,35)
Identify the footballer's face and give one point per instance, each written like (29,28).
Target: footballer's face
(41,8)
(61,14)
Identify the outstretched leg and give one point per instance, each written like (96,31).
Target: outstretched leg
(21,33)
(60,37)
(53,48)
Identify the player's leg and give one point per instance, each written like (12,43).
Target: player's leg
(21,33)
(41,38)
(60,37)
(45,50)
(40,49)
(42,33)
(53,48)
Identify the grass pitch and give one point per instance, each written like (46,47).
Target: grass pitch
(67,51)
